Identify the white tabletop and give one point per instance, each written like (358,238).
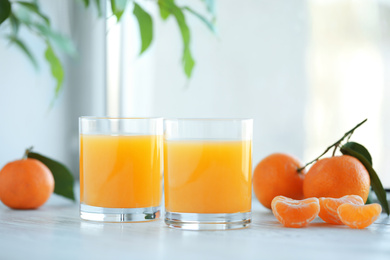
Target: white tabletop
(55,232)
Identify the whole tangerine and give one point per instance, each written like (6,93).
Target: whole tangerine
(336,177)
(277,175)
(25,184)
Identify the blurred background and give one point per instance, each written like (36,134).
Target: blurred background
(305,71)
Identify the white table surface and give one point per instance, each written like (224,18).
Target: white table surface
(55,232)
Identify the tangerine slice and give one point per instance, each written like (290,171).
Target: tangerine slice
(295,213)
(359,216)
(328,207)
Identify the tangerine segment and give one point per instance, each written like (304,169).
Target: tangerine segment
(328,207)
(359,216)
(295,213)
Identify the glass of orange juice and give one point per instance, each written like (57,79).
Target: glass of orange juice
(120,168)
(207,173)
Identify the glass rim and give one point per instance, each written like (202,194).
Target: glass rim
(117,118)
(210,119)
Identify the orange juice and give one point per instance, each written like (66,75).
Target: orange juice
(120,171)
(207,176)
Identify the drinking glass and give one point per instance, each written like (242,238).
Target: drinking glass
(120,168)
(207,173)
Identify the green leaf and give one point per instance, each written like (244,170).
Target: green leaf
(18,42)
(210,5)
(14,24)
(5,10)
(118,8)
(24,16)
(209,24)
(56,67)
(188,61)
(375,181)
(145,23)
(360,149)
(99,7)
(164,10)
(86,3)
(63,178)
(33,7)
(370,199)
(169,6)
(60,41)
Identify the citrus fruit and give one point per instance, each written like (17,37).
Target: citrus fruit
(295,213)
(359,216)
(25,184)
(277,175)
(328,207)
(336,177)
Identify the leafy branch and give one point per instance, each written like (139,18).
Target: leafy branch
(167,8)
(335,145)
(27,14)
(361,153)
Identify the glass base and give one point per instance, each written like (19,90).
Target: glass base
(119,214)
(197,221)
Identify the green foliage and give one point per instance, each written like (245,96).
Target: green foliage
(99,7)
(357,148)
(63,178)
(18,42)
(55,66)
(210,5)
(60,41)
(33,7)
(86,3)
(118,8)
(145,23)
(361,153)
(187,59)
(29,15)
(168,8)
(5,10)
(164,11)
(209,24)
(14,24)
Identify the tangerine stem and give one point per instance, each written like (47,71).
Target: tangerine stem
(28,150)
(337,143)
(335,149)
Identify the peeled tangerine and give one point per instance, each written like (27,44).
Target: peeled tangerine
(359,216)
(328,212)
(295,213)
